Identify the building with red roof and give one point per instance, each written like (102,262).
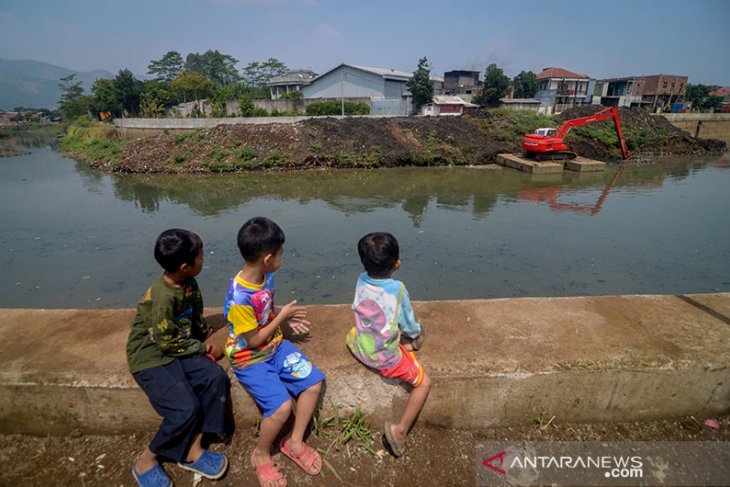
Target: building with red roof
(561,89)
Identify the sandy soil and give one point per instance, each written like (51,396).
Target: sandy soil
(436,457)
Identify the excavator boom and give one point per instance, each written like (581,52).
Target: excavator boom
(541,145)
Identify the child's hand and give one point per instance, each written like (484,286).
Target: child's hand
(298,325)
(291,311)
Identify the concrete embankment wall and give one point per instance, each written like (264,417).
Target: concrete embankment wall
(702,125)
(149,127)
(493,362)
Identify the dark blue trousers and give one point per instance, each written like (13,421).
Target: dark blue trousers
(192,395)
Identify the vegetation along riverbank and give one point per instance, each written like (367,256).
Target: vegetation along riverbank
(369,142)
(14,139)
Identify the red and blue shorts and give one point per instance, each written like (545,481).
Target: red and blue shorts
(409,369)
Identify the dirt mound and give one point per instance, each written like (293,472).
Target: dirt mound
(315,143)
(644,133)
(384,142)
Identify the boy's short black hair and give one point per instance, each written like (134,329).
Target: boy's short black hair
(259,236)
(176,247)
(378,253)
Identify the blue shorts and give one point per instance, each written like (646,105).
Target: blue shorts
(273,382)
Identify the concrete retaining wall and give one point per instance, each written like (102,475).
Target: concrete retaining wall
(702,125)
(493,362)
(147,127)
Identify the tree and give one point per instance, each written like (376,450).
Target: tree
(525,84)
(700,97)
(420,84)
(218,68)
(258,74)
(128,90)
(246,106)
(193,84)
(156,96)
(168,68)
(105,97)
(496,84)
(72,101)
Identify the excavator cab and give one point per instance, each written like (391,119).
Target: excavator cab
(547,132)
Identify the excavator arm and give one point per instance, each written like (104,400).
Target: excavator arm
(611,112)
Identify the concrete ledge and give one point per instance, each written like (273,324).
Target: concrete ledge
(494,362)
(528,165)
(582,164)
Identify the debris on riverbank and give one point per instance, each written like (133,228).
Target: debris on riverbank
(370,142)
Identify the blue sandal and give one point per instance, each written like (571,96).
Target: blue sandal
(154,477)
(210,465)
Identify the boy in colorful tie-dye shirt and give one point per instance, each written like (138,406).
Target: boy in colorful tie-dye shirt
(271,369)
(382,311)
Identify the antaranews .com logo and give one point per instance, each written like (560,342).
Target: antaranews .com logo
(604,463)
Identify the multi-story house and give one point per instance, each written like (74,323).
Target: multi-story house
(463,83)
(561,89)
(654,92)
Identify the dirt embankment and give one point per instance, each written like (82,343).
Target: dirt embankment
(385,142)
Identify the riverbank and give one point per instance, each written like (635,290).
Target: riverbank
(611,368)
(368,142)
(17,138)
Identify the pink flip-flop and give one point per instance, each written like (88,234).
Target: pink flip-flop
(305,458)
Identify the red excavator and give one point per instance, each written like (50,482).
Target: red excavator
(549,144)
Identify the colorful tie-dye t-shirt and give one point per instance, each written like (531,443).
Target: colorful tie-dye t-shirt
(249,306)
(382,310)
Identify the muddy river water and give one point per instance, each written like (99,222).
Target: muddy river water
(72,237)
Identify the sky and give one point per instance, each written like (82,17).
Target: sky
(602,39)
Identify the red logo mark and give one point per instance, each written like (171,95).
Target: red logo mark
(500,456)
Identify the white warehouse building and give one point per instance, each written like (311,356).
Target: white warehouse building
(385,88)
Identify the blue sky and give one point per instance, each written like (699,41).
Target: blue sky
(600,38)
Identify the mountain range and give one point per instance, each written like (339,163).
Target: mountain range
(34,84)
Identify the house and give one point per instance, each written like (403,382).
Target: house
(445,105)
(662,90)
(462,82)
(619,92)
(561,89)
(654,92)
(384,88)
(293,80)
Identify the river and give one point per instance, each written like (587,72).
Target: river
(76,238)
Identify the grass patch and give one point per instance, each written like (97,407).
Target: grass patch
(340,433)
(276,158)
(95,141)
(512,125)
(34,129)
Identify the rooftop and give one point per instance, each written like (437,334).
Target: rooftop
(548,73)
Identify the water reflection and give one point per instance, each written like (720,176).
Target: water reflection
(412,189)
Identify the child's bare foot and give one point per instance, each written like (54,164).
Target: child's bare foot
(266,471)
(396,438)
